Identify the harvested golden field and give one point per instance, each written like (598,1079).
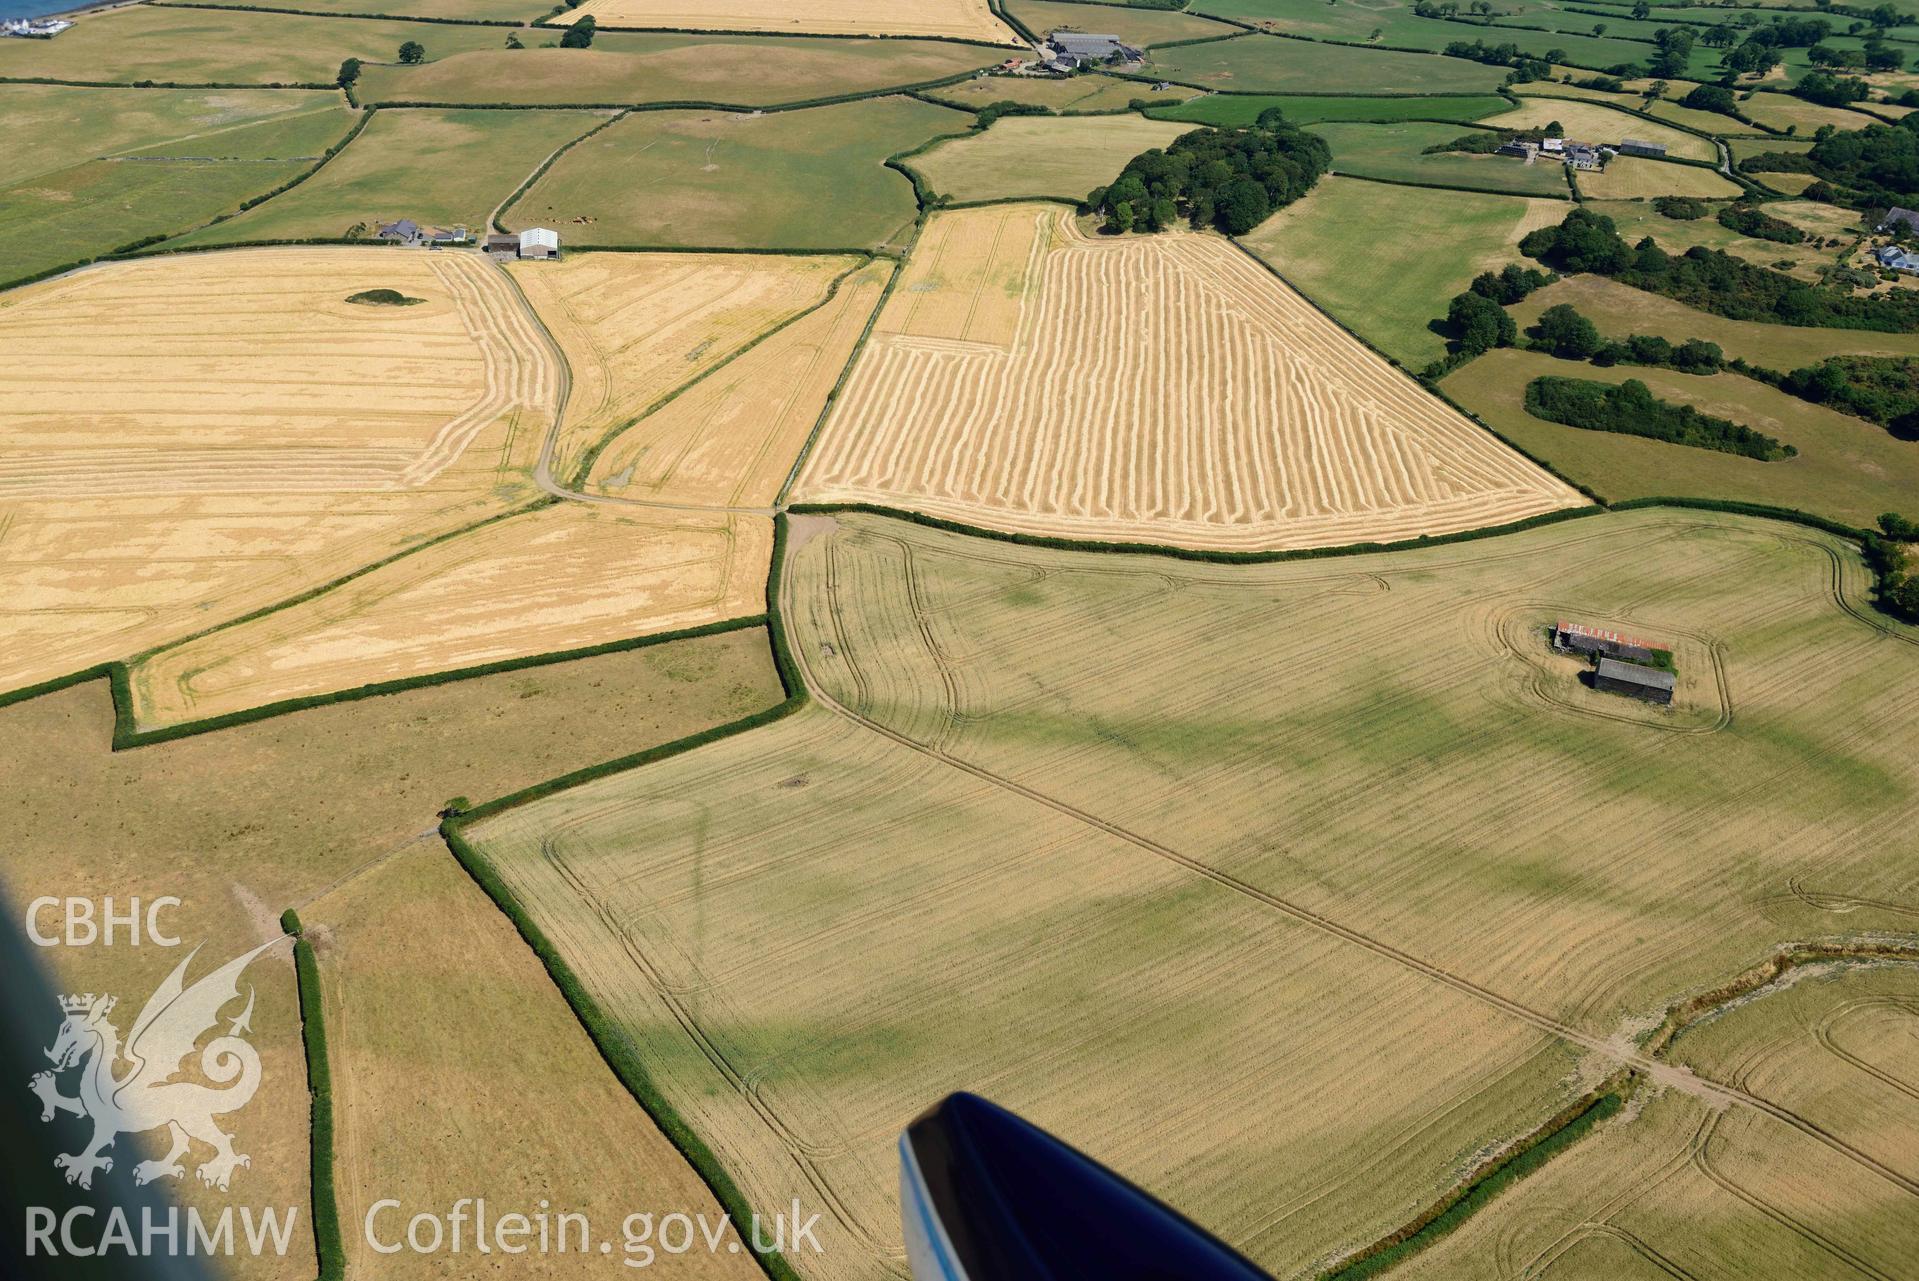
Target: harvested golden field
(436,1008)
(1635,178)
(953,19)
(1167,388)
(1092,92)
(637,327)
(1041,156)
(1591,122)
(556,578)
(1068,826)
(732,438)
(258,435)
(242,823)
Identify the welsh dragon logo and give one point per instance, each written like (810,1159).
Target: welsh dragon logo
(142,1095)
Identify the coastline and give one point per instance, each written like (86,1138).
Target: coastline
(68,10)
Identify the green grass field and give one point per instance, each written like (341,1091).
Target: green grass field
(1364,252)
(1663,108)
(1847,469)
(1267,64)
(208,46)
(1041,156)
(1134,26)
(1237,110)
(52,127)
(470,10)
(1075,94)
(1399,27)
(632,67)
(812,179)
(440,168)
(1396,152)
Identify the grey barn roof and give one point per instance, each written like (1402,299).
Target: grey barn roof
(1087,44)
(1634,674)
(1896,216)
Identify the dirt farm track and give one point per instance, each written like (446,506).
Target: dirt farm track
(1168,389)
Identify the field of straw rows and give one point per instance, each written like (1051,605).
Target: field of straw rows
(958,19)
(1306,854)
(1168,389)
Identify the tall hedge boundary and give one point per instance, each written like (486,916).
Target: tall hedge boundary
(328,1246)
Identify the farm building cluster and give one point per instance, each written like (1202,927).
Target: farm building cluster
(35,28)
(1897,257)
(1066,52)
(1621,664)
(1579,155)
(534,242)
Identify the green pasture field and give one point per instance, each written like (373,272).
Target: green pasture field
(1041,156)
(207,46)
(1364,252)
(53,219)
(1705,121)
(812,179)
(1637,219)
(51,127)
(1783,111)
(1239,109)
(1847,469)
(1074,94)
(1140,27)
(633,67)
(1400,28)
(1257,64)
(440,168)
(1745,148)
(1620,311)
(1395,151)
(1077,824)
(470,10)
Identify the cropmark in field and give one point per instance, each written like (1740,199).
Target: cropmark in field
(258,435)
(1031,379)
(1341,847)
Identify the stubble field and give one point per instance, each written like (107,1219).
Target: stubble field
(635,328)
(557,578)
(1317,831)
(260,435)
(1225,412)
(953,19)
(1635,178)
(732,438)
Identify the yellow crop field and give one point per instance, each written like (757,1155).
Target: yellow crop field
(1635,178)
(199,436)
(435,1007)
(1029,378)
(953,19)
(557,578)
(636,327)
(1069,826)
(731,439)
(1080,154)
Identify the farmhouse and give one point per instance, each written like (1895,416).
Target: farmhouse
(1584,156)
(1634,681)
(1081,49)
(1651,150)
(539,242)
(1897,218)
(1595,642)
(404,232)
(1897,259)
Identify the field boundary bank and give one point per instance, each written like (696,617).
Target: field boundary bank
(584,470)
(328,1245)
(127,735)
(539,170)
(614,1047)
(1578,1120)
(1440,186)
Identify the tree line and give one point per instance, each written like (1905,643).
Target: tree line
(1230,179)
(1630,408)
